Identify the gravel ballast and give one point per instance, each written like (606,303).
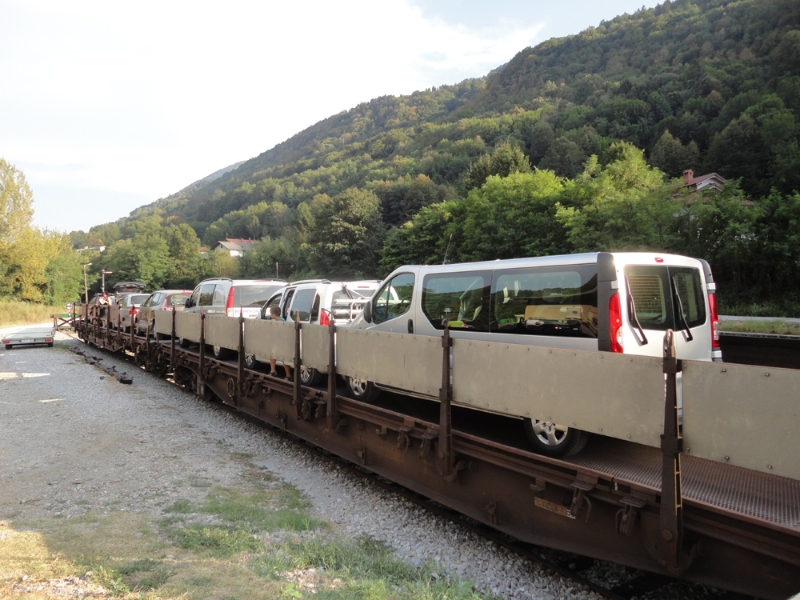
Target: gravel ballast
(77,441)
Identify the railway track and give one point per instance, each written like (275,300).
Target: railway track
(624,583)
(518,498)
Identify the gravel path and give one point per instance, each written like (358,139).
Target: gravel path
(77,441)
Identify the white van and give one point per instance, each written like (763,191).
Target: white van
(614,302)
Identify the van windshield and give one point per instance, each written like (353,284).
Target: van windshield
(651,287)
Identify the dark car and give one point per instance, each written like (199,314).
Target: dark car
(159,300)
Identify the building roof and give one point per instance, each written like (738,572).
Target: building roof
(713,181)
(235,244)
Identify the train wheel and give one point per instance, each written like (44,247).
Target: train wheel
(361,390)
(551,439)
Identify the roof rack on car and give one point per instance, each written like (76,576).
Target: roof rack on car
(310,281)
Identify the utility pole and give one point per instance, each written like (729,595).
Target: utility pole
(103,288)
(85,286)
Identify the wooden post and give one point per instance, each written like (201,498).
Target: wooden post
(445,417)
(297,362)
(201,382)
(332,416)
(172,362)
(240,366)
(671,511)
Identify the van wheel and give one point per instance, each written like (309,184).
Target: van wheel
(221,353)
(8,346)
(183,342)
(50,344)
(250,361)
(309,376)
(362,390)
(551,439)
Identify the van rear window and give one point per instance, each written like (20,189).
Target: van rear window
(652,289)
(253,295)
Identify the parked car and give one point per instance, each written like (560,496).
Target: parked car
(318,301)
(222,296)
(128,305)
(30,336)
(160,300)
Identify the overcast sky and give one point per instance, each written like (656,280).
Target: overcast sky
(106,106)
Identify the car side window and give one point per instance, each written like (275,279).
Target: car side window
(219,295)
(287,303)
(302,305)
(206,294)
(393,299)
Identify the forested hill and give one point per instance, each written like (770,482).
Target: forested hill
(708,85)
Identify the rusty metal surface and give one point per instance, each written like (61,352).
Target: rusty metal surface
(743,415)
(572,505)
(315,346)
(269,339)
(411,362)
(222,331)
(613,394)
(719,486)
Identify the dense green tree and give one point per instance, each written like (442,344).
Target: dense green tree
(623,205)
(16,203)
(510,217)
(347,235)
(506,158)
(186,265)
(427,239)
(564,158)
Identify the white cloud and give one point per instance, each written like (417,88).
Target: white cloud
(145,98)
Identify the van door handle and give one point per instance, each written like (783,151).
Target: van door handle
(411,326)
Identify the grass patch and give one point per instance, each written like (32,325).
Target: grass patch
(235,544)
(218,540)
(16,312)
(778,326)
(362,568)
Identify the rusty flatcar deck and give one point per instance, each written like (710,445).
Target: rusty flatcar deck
(746,494)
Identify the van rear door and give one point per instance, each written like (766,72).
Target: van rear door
(657,297)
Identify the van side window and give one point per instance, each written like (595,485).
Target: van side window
(394,298)
(558,301)
(458,299)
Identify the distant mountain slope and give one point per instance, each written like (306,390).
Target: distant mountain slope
(712,85)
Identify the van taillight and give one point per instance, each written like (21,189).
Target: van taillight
(229,303)
(324,318)
(615,323)
(712,308)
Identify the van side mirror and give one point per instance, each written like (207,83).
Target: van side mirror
(367,313)
(188,303)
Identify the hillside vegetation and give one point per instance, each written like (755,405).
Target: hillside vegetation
(573,145)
